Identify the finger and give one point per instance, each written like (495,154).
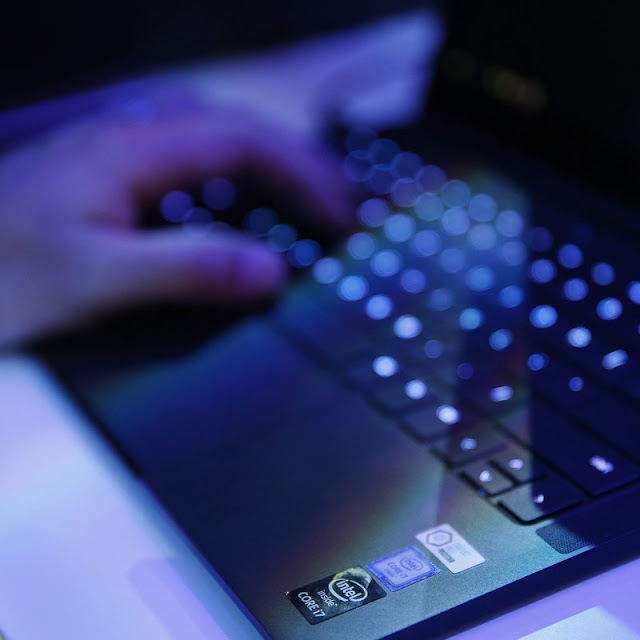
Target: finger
(132,267)
(155,157)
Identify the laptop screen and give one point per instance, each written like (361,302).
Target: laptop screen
(559,80)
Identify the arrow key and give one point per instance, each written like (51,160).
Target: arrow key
(540,499)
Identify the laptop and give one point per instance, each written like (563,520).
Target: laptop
(438,419)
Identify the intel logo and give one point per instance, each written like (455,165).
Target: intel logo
(348,590)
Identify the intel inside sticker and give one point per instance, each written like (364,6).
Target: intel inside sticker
(403,568)
(336,594)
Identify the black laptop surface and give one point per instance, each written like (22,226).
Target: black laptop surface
(440,418)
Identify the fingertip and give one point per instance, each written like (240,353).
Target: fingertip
(260,271)
(241,272)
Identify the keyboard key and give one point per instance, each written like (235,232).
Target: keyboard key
(487,478)
(372,370)
(625,377)
(425,423)
(500,396)
(468,444)
(519,422)
(519,464)
(566,386)
(405,392)
(587,460)
(540,499)
(615,420)
(595,355)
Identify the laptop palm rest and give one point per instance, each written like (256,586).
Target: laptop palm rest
(277,473)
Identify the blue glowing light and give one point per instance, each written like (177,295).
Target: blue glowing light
(480,278)
(514,253)
(433,348)
(440,299)
(575,289)
(327,270)
(543,316)
(384,150)
(413,281)
(501,394)
(361,245)
(352,288)
(281,236)
(373,212)
(407,327)
(427,243)
(537,361)
(175,205)
(471,319)
(579,337)
(482,208)
(576,384)
(542,270)
(468,444)
(633,291)
(379,179)
(452,260)
(511,296)
(304,253)
(429,207)
(455,221)
(500,339)
(615,359)
(510,223)
(386,263)
(385,366)
(609,308)
(431,178)
(448,414)
(603,274)
(570,256)
(483,237)
(455,193)
(379,307)
(405,192)
(399,227)
(407,164)
(415,389)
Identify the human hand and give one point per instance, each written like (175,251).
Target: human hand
(69,204)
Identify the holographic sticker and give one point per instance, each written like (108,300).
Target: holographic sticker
(403,568)
(450,547)
(336,594)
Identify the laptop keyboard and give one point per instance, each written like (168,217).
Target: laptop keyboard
(499,333)
(508,349)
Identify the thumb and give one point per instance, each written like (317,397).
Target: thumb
(136,266)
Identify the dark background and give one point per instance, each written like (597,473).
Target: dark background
(585,59)
(55,48)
